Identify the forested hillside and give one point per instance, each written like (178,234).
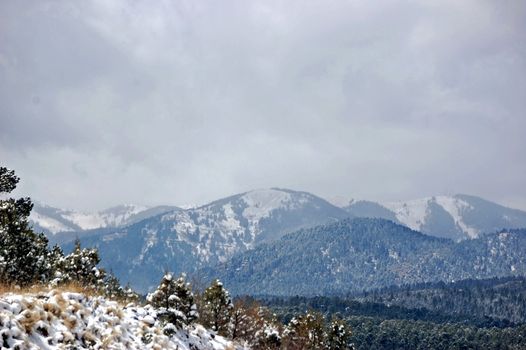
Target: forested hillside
(356,254)
(472,314)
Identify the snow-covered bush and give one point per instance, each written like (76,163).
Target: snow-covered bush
(80,267)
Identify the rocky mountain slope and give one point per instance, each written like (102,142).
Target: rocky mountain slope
(366,253)
(186,240)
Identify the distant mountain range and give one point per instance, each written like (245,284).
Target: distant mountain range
(139,243)
(362,254)
(456,217)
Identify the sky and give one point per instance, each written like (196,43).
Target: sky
(183,102)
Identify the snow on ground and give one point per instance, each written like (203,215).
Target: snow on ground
(60,320)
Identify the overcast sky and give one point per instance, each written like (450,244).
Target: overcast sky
(172,102)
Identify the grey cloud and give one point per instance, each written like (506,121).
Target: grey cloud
(104,102)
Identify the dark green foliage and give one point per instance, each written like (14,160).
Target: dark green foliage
(23,253)
(338,335)
(8,180)
(112,288)
(387,332)
(175,301)
(482,303)
(80,266)
(216,308)
(118,254)
(388,326)
(378,334)
(497,299)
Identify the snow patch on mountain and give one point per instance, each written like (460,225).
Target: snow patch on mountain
(456,207)
(261,202)
(411,213)
(48,223)
(416,213)
(54,220)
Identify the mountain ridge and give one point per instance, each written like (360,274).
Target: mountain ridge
(185,240)
(362,253)
(457,217)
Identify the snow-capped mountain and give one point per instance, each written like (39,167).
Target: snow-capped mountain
(456,217)
(52,220)
(185,240)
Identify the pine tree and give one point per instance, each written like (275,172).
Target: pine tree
(23,253)
(81,267)
(55,258)
(175,301)
(112,287)
(338,336)
(217,307)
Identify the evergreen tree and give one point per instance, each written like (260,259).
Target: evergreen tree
(175,300)
(338,336)
(81,267)
(217,307)
(112,288)
(55,258)
(23,253)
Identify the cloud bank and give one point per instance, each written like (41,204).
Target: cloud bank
(104,102)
